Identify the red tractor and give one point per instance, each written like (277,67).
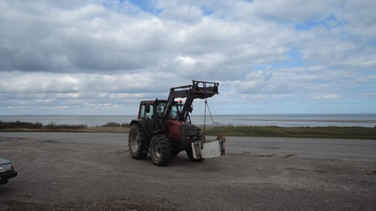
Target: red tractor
(163,127)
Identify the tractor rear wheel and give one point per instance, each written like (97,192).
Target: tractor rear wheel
(137,142)
(160,150)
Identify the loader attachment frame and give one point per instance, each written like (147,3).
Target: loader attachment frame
(198,90)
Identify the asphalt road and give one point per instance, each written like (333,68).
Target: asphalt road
(75,171)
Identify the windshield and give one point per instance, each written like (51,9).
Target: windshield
(174,113)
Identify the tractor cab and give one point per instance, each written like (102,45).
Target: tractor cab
(153,112)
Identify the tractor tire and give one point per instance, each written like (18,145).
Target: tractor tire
(137,141)
(190,156)
(160,150)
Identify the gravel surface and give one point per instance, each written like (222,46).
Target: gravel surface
(81,171)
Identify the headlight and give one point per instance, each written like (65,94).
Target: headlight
(5,167)
(191,137)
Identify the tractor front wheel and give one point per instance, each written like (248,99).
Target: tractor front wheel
(160,150)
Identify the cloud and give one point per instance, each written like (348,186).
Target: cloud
(326,96)
(72,55)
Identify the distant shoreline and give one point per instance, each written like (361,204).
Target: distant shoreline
(280,120)
(249,131)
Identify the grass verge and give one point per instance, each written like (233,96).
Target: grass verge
(255,131)
(298,132)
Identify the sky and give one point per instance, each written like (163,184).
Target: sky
(102,57)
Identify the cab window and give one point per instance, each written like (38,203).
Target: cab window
(174,114)
(146,113)
(161,109)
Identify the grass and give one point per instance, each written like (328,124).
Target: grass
(96,129)
(251,131)
(298,132)
(38,127)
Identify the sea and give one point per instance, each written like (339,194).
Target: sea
(280,120)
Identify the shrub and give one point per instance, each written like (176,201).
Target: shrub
(18,124)
(112,124)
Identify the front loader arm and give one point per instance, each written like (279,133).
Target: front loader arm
(198,89)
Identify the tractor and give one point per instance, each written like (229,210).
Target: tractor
(163,128)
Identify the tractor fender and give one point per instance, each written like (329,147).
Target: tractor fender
(143,124)
(158,132)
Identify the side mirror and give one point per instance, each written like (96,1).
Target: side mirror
(191,109)
(147,108)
